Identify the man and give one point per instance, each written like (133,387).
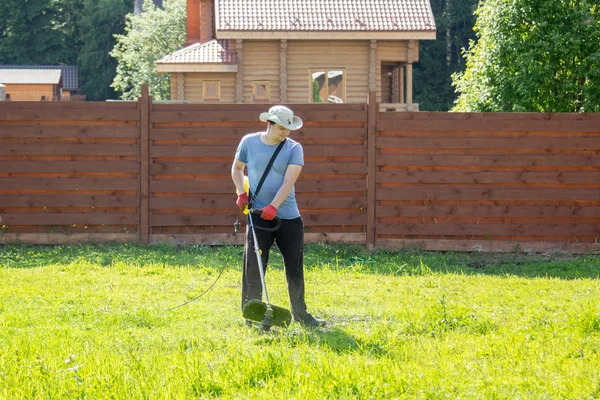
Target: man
(275,198)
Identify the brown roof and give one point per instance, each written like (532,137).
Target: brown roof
(325,15)
(214,51)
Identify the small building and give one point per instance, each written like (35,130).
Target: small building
(69,75)
(299,51)
(32,84)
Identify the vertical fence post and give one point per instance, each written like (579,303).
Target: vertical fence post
(371,168)
(145,103)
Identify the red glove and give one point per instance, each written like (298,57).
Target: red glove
(242,201)
(269,212)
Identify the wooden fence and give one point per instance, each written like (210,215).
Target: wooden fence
(505,181)
(191,151)
(69,172)
(147,172)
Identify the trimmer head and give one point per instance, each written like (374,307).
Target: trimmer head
(256,310)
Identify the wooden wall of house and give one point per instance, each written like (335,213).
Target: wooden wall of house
(192,85)
(174,79)
(261,62)
(32,92)
(354,55)
(304,55)
(392,51)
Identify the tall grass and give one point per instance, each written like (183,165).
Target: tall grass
(91,322)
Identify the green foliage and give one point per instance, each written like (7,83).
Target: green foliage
(66,32)
(316,90)
(149,37)
(29,33)
(533,55)
(440,58)
(99,21)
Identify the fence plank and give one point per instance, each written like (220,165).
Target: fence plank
(70,149)
(487,177)
(67,200)
(491,229)
(70,219)
(339,218)
(510,211)
(68,184)
(304,202)
(220,239)
(224,168)
(207,187)
(469,143)
(53,106)
(193,219)
(331,185)
(45,114)
(309,218)
(255,108)
(71,238)
(229,151)
(70,131)
(69,166)
(335,151)
(490,125)
(490,246)
(336,202)
(236,133)
(244,116)
(513,117)
(489,160)
(482,192)
(192,151)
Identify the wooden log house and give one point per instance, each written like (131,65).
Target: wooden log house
(300,51)
(34,82)
(31,85)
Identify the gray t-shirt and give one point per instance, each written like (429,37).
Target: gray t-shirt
(256,155)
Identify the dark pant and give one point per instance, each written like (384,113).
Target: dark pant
(290,240)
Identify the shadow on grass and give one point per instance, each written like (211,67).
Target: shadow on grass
(415,262)
(342,258)
(332,338)
(107,255)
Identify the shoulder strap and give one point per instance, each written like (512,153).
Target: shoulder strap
(252,196)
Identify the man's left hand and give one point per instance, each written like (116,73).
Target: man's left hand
(269,212)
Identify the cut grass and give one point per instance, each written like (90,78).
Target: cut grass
(90,322)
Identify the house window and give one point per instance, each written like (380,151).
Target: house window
(328,85)
(261,91)
(211,90)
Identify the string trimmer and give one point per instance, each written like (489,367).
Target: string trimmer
(265,313)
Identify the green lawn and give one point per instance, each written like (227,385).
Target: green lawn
(90,322)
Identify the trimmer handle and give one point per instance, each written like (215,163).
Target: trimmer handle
(259,213)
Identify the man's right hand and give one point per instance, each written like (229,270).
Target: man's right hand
(242,201)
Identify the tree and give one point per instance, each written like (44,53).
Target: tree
(29,33)
(150,36)
(440,58)
(99,21)
(138,6)
(533,55)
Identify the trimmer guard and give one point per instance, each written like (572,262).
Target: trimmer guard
(254,310)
